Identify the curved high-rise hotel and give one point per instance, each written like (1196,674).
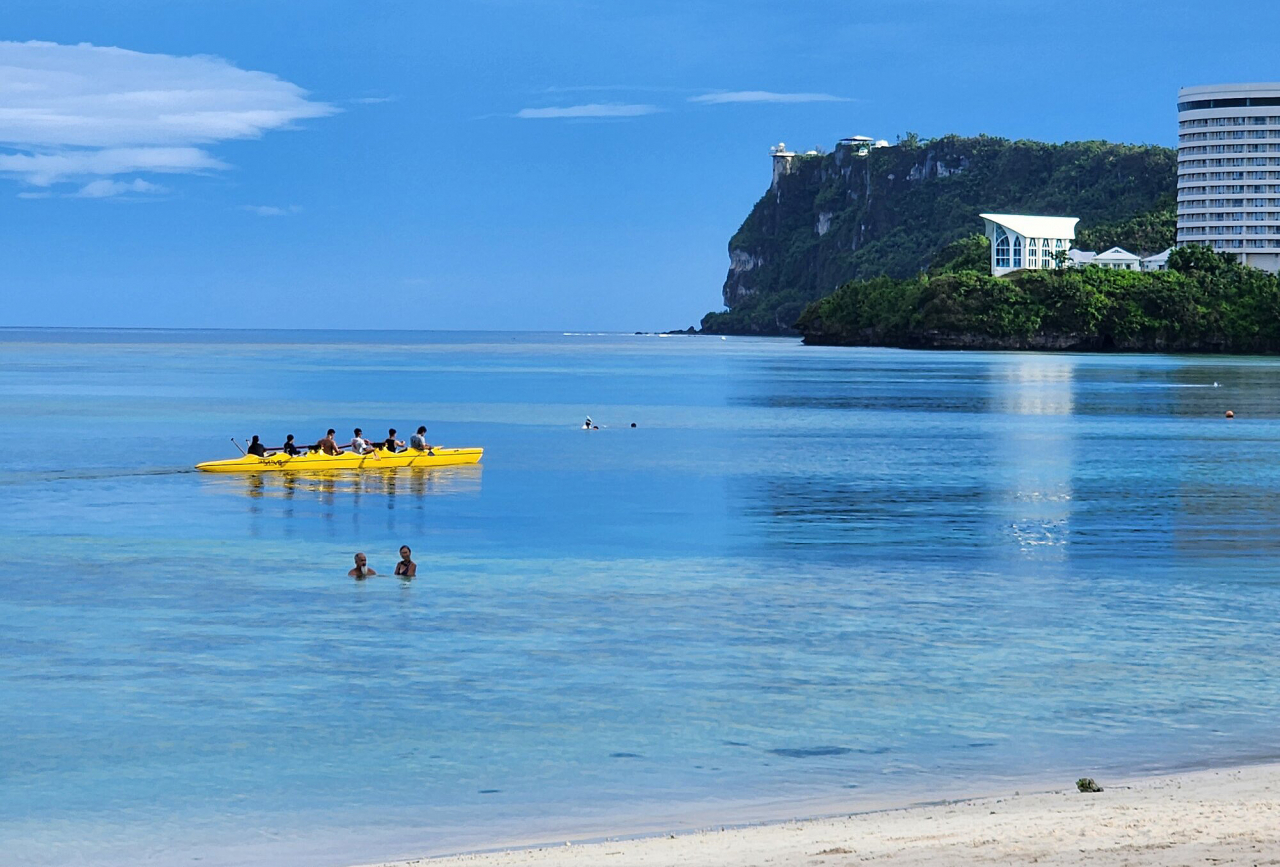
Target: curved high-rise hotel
(1229,170)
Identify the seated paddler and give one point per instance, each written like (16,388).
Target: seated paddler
(391,444)
(418,441)
(327,445)
(359,444)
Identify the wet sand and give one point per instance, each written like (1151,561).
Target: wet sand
(1211,817)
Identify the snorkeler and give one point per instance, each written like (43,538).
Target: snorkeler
(406,568)
(362,570)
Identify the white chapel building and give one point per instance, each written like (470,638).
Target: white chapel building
(1019,241)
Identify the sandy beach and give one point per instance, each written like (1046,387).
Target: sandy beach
(1229,816)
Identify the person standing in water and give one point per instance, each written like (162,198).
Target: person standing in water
(406,568)
(362,570)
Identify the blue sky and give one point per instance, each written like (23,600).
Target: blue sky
(512,164)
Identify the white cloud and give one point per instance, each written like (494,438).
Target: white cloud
(763,96)
(270,210)
(105,187)
(75,111)
(42,169)
(595,109)
(629,88)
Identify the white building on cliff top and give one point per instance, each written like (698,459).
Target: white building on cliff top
(1019,241)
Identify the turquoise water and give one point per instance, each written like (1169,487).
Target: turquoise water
(807,576)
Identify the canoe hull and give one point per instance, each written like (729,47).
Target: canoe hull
(310,461)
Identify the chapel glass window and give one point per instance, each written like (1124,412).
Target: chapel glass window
(1002,248)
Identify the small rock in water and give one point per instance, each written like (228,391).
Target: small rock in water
(1086,784)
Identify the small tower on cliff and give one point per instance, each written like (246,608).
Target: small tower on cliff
(781,161)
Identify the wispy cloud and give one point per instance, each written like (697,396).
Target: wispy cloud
(43,169)
(72,112)
(763,96)
(271,210)
(595,109)
(626,88)
(105,188)
(372,100)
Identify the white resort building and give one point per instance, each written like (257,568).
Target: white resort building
(1118,259)
(1019,242)
(1229,170)
(1158,262)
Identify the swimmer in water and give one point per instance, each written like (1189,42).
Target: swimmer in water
(362,570)
(406,568)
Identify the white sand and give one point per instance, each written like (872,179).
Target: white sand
(1200,818)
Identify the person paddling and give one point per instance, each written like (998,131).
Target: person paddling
(362,570)
(359,444)
(392,444)
(327,445)
(406,568)
(289,447)
(418,441)
(256,448)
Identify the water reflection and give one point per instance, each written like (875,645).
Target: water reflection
(325,486)
(1034,452)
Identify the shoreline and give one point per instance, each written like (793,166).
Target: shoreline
(1225,815)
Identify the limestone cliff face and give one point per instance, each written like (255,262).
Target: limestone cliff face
(856,213)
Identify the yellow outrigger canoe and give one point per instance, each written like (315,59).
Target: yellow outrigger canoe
(379,460)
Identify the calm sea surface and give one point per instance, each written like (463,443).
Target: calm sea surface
(807,576)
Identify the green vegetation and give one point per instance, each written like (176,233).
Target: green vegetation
(848,216)
(1147,233)
(1205,302)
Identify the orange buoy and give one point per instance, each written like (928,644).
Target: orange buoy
(1230,414)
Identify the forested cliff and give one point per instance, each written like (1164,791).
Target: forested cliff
(1204,302)
(857,214)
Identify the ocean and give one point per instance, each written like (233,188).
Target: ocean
(808,579)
